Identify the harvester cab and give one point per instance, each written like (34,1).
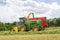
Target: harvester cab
(22,20)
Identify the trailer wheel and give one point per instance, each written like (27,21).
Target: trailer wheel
(22,28)
(35,28)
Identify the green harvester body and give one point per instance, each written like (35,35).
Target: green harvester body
(29,24)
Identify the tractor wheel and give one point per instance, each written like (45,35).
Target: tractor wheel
(15,29)
(35,28)
(22,28)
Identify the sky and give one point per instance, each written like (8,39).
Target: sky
(12,10)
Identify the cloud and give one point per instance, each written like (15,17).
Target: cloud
(19,8)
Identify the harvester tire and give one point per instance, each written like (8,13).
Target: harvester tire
(15,29)
(22,28)
(35,28)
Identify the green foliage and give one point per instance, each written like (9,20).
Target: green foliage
(4,26)
(54,22)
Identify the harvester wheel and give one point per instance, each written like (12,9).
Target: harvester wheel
(15,29)
(35,28)
(22,28)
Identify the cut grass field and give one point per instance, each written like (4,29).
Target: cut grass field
(51,33)
(31,37)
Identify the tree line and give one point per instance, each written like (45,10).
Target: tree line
(53,22)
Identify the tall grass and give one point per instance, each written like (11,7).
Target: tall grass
(49,30)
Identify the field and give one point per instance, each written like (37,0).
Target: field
(31,37)
(51,33)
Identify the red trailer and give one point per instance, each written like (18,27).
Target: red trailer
(44,23)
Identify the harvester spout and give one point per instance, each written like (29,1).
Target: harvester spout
(29,15)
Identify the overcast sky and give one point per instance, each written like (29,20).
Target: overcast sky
(11,10)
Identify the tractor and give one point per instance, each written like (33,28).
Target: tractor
(27,24)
